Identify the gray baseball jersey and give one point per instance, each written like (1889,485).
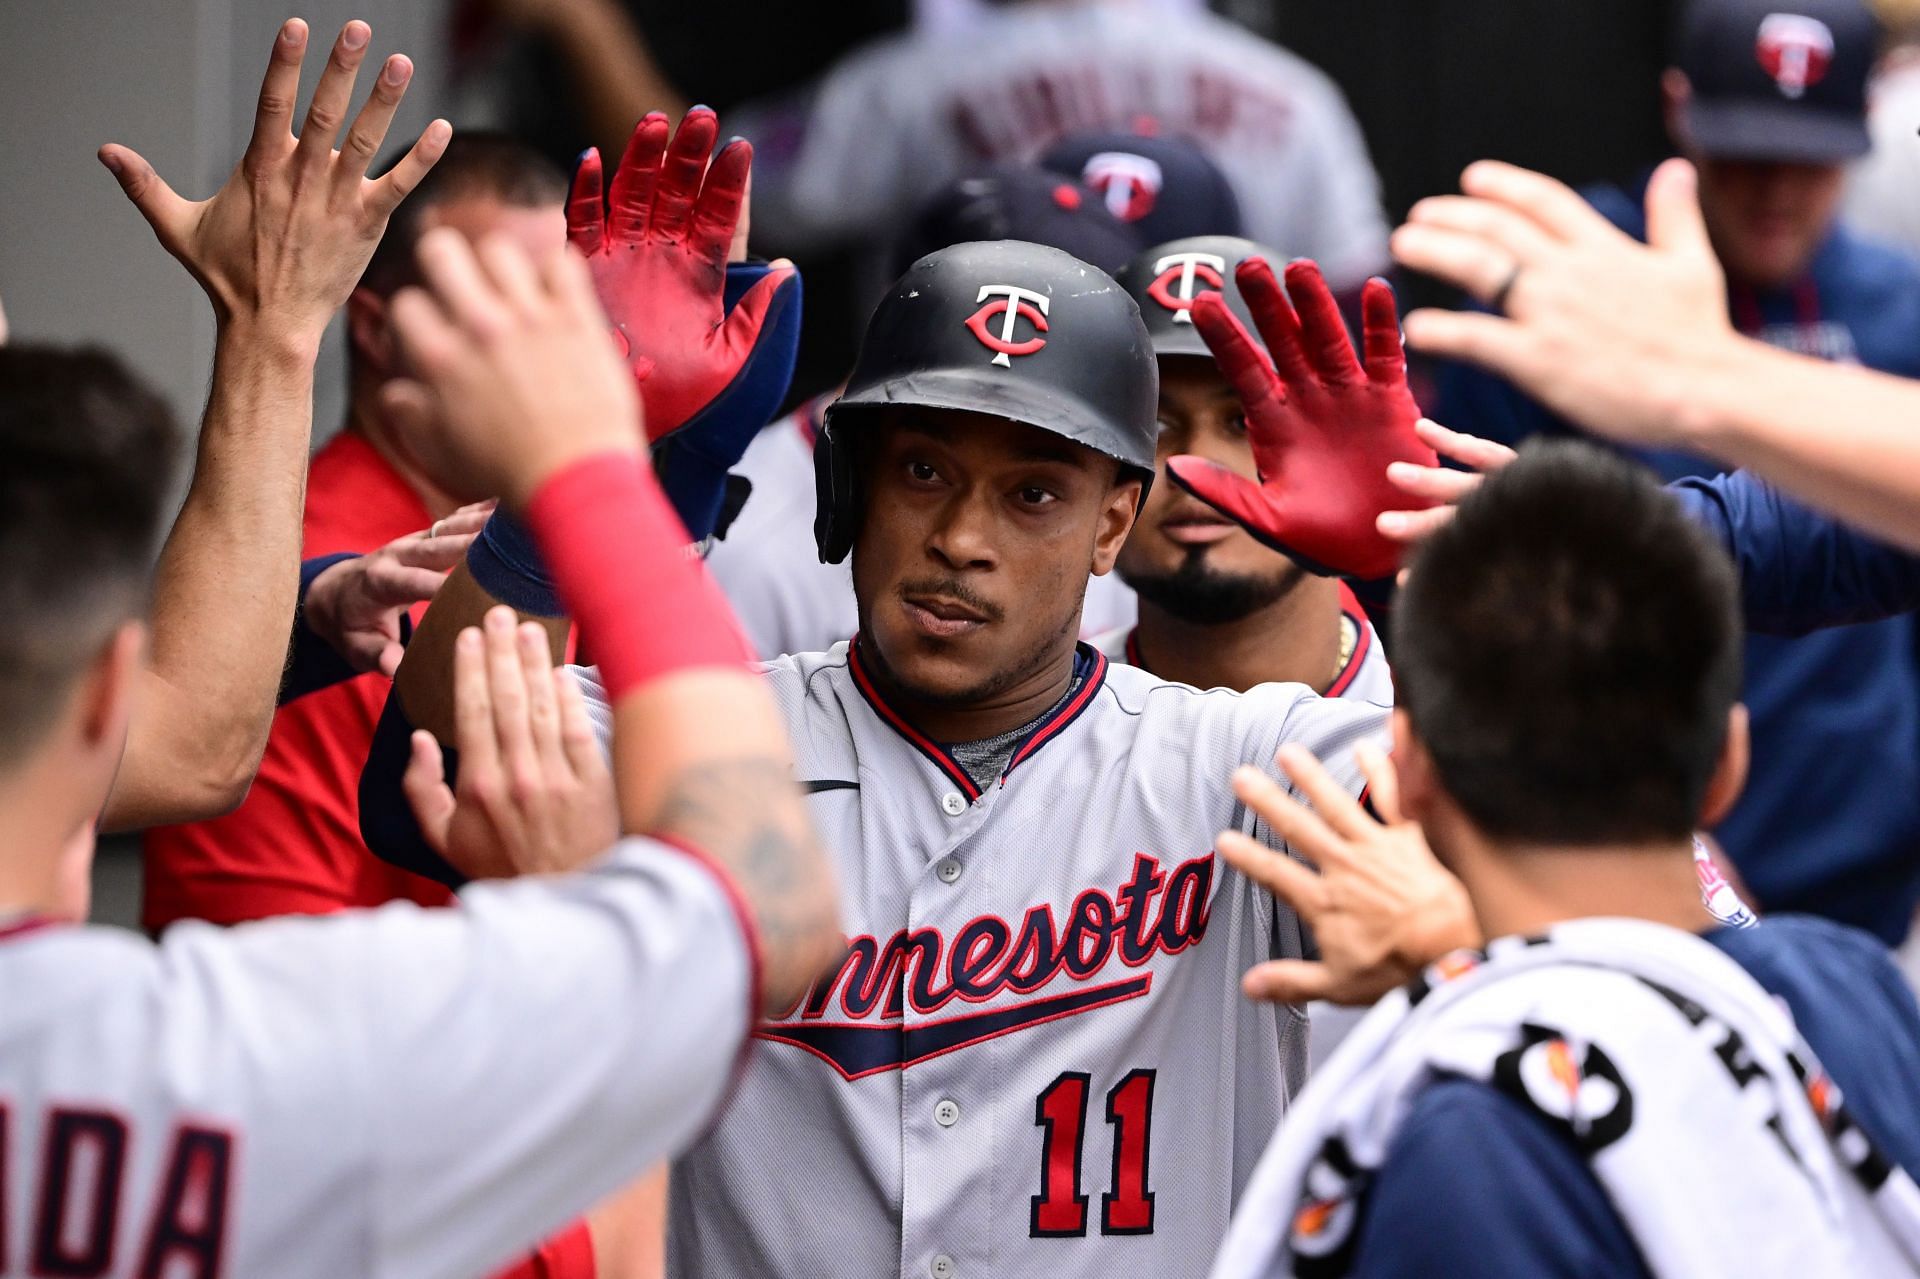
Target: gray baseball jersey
(1035,1059)
(889,125)
(398,1093)
(1363,676)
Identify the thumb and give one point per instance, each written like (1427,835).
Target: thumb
(586,204)
(1673,211)
(1287,981)
(758,308)
(164,211)
(1233,495)
(425,786)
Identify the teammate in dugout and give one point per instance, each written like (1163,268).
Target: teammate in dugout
(1216,608)
(1043,970)
(263,1100)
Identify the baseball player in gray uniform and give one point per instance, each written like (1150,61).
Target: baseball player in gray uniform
(1033,1058)
(268,1100)
(1216,608)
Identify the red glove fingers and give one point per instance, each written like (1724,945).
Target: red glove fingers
(1279,326)
(1380,334)
(718,210)
(1323,334)
(1245,365)
(633,182)
(586,205)
(679,182)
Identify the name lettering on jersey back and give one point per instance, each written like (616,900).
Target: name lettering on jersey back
(855,1017)
(78,1216)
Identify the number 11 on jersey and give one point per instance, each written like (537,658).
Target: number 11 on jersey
(1060,1112)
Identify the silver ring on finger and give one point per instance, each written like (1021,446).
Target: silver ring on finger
(435,530)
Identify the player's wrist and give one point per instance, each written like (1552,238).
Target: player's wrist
(557,453)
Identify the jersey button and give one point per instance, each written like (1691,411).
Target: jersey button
(942,1267)
(946,1112)
(953,803)
(948,869)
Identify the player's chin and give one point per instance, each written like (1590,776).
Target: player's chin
(933,667)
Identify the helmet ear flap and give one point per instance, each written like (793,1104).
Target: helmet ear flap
(836,518)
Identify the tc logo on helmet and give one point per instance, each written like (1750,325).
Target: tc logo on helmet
(1012,303)
(1795,50)
(1177,275)
(1130,184)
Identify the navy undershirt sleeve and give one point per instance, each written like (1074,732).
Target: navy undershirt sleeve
(387,823)
(1474,1187)
(312,663)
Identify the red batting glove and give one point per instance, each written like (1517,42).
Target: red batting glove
(659,262)
(1323,428)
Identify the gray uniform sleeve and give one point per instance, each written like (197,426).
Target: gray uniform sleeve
(480,1075)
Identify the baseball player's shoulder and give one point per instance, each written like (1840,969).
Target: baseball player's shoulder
(1218,39)
(1185,717)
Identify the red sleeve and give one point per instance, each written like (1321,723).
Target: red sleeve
(568,1255)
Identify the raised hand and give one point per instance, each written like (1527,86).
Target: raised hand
(658,246)
(286,239)
(515,369)
(534,794)
(1434,491)
(1323,424)
(1381,907)
(356,605)
(1619,336)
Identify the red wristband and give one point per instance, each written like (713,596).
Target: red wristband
(618,555)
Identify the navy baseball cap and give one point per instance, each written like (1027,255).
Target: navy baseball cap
(1778,80)
(1161,183)
(1015,202)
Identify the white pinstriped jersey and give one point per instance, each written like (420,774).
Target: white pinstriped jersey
(1035,1060)
(1363,676)
(390,1094)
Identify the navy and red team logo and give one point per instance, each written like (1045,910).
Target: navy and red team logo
(1130,184)
(1178,276)
(1010,305)
(1795,50)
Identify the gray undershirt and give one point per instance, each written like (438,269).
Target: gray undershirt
(987,758)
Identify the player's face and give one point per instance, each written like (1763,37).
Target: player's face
(1183,555)
(1767,219)
(974,549)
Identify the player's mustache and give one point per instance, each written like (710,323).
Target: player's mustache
(954,589)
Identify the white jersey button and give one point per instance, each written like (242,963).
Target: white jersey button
(946,1113)
(942,1267)
(953,803)
(948,869)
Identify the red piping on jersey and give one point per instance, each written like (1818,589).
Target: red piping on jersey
(1350,608)
(1053,724)
(28,924)
(756,968)
(1049,726)
(920,742)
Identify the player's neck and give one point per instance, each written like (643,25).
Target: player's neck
(1020,703)
(1295,639)
(1523,890)
(46,830)
(364,420)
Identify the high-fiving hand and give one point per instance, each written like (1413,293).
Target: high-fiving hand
(534,793)
(1611,333)
(1380,906)
(287,238)
(658,246)
(515,368)
(1323,424)
(356,605)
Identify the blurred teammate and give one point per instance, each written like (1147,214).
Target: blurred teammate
(294,846)
(1770,104)
(888,125)
(268,1100)
(1568,667)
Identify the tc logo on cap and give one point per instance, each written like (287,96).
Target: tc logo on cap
(1011,302)
(1795,50)
(1177,275)
(1129,183)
